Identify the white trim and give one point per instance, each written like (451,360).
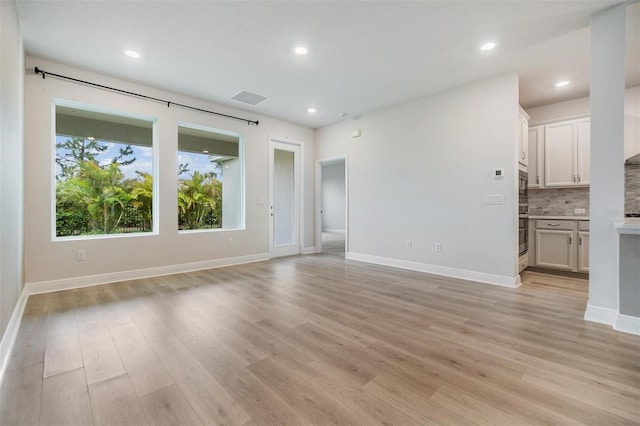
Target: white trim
(91,280)
(500,280)
(309,250)
(318,217)
(627,324)
(335,231)
(601,315)
(11,332)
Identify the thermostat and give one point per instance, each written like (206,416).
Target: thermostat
(498,173)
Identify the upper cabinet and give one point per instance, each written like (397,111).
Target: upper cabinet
(559,154)
(523,136)
(536,140)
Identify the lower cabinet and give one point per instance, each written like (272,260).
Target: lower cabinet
(562,245)
(583,251)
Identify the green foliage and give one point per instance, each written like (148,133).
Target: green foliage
(97,199)
(94,199)
(199,201)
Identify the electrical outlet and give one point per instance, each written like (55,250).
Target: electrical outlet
(229,241)
(579,211)
(438,247)
(81,255)
(407,243)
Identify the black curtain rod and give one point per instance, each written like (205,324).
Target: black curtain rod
(126,92)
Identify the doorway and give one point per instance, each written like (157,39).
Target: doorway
(284,198)
(331,197)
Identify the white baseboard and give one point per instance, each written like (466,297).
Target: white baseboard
(309,250)
(601,315)
(627,324)
(500,280)
(91,280)
(11,333)
(334,231)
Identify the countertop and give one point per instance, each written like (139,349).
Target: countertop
(543,217)
(630,225)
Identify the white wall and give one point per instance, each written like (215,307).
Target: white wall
(333,197)
(420,172)
(606,192)
(578,107)
(11,160)
(47,260)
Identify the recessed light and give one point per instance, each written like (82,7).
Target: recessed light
(487,46)
(204,151)
(132,53)
(300,50)
(562,83)
(91,138)
(311,110)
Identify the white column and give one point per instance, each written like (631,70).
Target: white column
(607,160)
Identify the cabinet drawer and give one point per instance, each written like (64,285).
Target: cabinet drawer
(565,225)
(583,225)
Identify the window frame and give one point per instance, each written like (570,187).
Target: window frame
(155,220)
(241,170)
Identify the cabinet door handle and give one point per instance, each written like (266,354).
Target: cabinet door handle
(578,178)
(570,241)
(553,224)
(538,179)
(580,241)
(575,178)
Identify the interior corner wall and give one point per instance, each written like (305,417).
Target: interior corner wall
(333,197)
(420,172)
(49,261)
(11,161)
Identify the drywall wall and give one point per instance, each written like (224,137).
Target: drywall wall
(11,160)
(333,197)
(580,107)
(419,174)
(606,194)
(47,260)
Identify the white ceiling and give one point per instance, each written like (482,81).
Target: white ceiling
(363,55)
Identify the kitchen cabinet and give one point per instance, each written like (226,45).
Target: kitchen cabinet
(535,140)
(561,244)
(554,244)
(567,153)
(523,136)
(583,246)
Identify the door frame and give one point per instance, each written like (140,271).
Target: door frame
(319,165)
(299,193)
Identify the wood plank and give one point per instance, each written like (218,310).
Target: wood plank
(168,407)
(256,398)
(65,400)
(313,405)
(114,402)
(20,396)
(207,396)
(146,372)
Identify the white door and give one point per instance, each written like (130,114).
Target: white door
(284,199)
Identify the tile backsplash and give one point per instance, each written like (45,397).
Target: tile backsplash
(562,202)
(558,202)
(632,188)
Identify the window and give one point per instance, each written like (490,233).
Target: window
(210,179)
(103,173)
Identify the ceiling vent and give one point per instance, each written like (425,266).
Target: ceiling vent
(248,97)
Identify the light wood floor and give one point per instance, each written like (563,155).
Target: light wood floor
(319,340)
